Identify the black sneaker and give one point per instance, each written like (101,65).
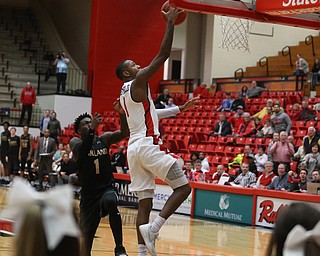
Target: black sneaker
(120,251)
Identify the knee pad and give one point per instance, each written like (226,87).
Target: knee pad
(175,177)
(148,193)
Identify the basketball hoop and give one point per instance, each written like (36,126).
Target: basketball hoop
(235,33)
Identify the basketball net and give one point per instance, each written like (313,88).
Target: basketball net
(235,33)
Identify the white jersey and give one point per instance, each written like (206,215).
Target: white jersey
(142,117)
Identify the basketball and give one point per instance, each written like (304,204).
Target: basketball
(181,17)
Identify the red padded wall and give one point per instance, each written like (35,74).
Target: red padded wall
(120,30)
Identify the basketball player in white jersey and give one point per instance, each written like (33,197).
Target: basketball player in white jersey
(145,158)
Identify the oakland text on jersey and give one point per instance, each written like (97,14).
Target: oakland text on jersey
(98,152)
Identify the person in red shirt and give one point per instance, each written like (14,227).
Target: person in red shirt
(266,177)
(295,113)
(220,173)
(27,101)
(237,119)
(246,129)
(201,90)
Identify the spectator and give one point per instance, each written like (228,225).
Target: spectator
(266,130)
(193,158)
(263,112)
(226,103)
(25,152)
(170,103)
(295,113)
(204,161)
(257,126)
(45,149)
(198,172)
(67,171)
(261,159)
(310,139)
(62,61)
(237,102)
(223,127)
(54,126)
(316,71)
(13,153)
(267,116)
(254,91)
(302,66)
(218,174)
(282,151)
(44,224)
(57,157)
(280,121)
(237,119)
(291,140)
(299,155)
(246,129)
(315,176)
(201,90)
(294,233)
(280,182)
(312,160)
(188,171)
(27,101)
(302,184)
(4,146)
(118,159)
(242,158)
(306,113)
(275,138)
(162,99)
(44,122)
(244,92)
(245,178)
(267,177)
(212,88)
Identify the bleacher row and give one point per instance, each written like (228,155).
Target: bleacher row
(189,131)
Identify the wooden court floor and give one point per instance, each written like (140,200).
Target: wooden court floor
(181,235)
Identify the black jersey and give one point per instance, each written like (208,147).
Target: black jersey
(4,143)
(25,144)
(94,165)
(14,144)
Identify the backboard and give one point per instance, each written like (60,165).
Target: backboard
(298,13)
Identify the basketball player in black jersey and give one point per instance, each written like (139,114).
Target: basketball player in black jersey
(25,152)
(98,197)
(13,153)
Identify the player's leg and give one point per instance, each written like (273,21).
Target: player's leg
(89,221)
(144,209)
(109,205)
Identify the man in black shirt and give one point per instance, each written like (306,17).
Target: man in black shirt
(98,197)
(4,146)
(118,159)
(13,153)
(25,152)
(67,168)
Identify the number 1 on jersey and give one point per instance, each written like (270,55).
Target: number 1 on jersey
(96,163)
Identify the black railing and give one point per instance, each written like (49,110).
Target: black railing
(263,62)
(238,79)
(286,51)
(309,41)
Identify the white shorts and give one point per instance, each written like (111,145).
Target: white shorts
(146,161)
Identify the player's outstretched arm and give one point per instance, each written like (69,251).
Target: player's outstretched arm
(146,73)
(167,112)
(114,137)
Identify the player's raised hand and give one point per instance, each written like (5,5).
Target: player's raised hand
(172,14)
(190,103)
(95,121)
(117,107)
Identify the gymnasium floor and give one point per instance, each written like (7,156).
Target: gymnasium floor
(181,235)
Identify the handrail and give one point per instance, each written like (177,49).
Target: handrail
(284,53)
(235,74)
(266,63)
(311,41)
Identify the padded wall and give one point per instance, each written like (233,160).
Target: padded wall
(121,30)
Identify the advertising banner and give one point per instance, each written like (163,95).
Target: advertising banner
(268,209)
(126,198)
(223,206)
(162,194)
(287,7)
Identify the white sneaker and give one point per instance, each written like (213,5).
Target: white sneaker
(149,238)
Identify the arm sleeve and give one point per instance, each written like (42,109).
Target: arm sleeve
(166,112)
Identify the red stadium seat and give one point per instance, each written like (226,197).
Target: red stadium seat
(210,149)
(229,151)
(219,150)
(201,148)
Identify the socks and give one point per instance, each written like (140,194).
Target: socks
(157,224)
(142,250)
